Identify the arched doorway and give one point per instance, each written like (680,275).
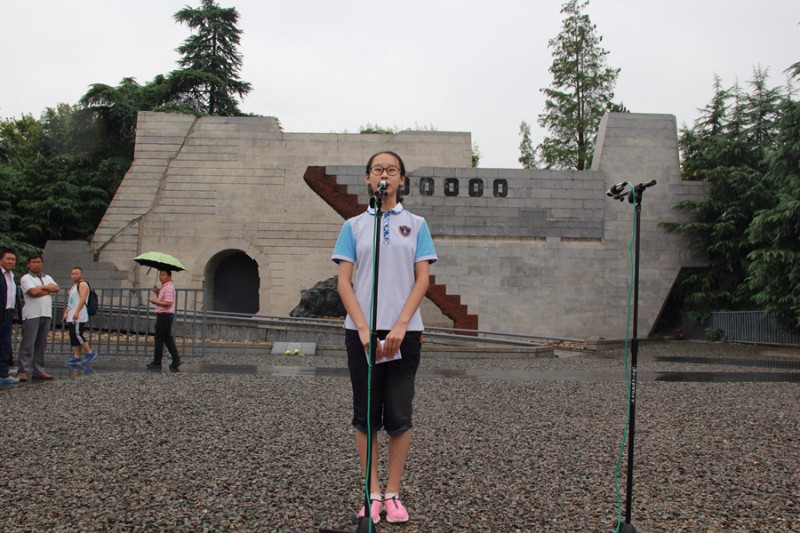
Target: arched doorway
(233,283)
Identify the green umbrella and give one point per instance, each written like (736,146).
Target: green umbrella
(160,261)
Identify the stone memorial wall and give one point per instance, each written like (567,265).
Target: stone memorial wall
(250,209)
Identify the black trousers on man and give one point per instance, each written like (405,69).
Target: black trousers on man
(164,336)
(6,354)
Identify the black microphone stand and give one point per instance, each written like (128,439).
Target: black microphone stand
(365,523)
(634,197)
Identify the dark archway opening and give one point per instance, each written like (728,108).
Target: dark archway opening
(234,283)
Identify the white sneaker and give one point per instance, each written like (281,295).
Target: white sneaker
(8,380)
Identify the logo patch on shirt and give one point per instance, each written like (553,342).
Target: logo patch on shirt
(405,231)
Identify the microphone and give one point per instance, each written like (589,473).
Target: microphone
(617,189)
(382,186)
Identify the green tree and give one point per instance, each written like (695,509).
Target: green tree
(794,70)
(20,140)
(700,143)
(774,264)
(581,93)
(205,86)
(762,107)
(527,155)
(60,172)
(209,80)
(114,111)
(728,147)
(52,188)
(375,128)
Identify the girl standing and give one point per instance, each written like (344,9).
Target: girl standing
(406,253)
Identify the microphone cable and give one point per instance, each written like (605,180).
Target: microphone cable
(373,338)
(627,369)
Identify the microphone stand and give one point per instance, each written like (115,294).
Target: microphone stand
(634,197)
(365,523)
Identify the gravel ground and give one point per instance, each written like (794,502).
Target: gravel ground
(130,451)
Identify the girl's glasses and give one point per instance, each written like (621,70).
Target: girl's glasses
(377,171)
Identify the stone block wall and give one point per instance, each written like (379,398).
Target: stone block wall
(60,257)
(545,252)
(538,252)
(201,187)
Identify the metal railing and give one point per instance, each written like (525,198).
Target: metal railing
(739,326)
(274,328)
(125,323)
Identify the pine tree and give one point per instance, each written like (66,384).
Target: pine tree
(581,93)
(209,80)
(728,147)
(774,267)
(527,155)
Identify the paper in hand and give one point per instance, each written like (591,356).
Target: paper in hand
(385,359)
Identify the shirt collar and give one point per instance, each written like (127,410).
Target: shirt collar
(396,211)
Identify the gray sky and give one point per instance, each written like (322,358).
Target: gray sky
(453,65)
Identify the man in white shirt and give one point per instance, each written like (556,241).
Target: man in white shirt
(37,314)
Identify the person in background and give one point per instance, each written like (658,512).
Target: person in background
(10,305)
(77,316)
(406,252)
(165,316)
(37,315)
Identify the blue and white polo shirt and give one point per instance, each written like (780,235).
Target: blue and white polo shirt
(404,241)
